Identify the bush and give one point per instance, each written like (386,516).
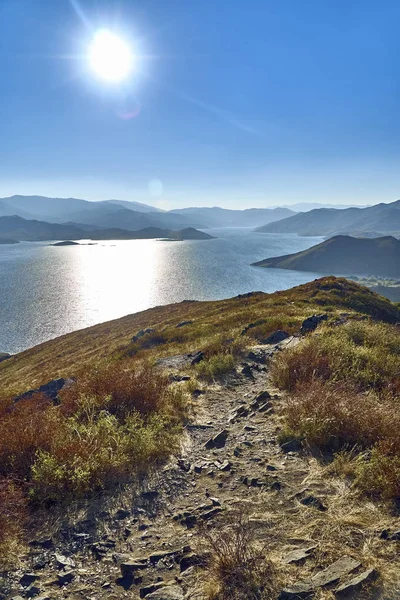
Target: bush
(335,418)
(214,367)
(363,355)
(113,422)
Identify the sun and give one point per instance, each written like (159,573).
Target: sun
(110,57)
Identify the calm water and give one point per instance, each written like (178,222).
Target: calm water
(47,291)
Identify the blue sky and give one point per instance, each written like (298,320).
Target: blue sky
(232,103)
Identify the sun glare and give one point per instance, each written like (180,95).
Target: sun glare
(110,57)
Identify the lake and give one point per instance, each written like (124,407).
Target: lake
(47,291)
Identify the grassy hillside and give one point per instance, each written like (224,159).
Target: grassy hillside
(212,323)
(346,256)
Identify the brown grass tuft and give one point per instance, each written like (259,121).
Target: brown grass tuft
(238,568)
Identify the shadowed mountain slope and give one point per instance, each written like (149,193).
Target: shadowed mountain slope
(344,255)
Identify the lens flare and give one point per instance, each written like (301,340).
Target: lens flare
(110,57)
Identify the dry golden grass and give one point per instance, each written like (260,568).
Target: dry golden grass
(238,568)
(345,395)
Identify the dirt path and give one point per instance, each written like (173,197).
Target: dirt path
(145,543)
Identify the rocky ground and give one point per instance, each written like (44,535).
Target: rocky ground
(325,541)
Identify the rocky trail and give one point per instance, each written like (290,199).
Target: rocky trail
(146,543)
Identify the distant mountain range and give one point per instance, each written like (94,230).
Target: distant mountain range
(224,217)
(378,220)
(307,206)
(133,216)
(20,229)
(344,255)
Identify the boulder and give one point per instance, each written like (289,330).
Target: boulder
(4,356)
(141,333)
(311,323)
(50,389)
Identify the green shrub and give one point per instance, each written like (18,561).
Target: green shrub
(216,366)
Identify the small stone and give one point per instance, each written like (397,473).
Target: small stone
(32,591)
(149,589)
(64,561)
(130,567)
(189,560)
(42,543)
(237,452)
(28,578)
(314,502)
(65,577)
(122,513)
(291,446)
(218,441)
(150,495)
(348,589)
(225,466)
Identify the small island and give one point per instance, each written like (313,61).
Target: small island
(66,243)
(8,241)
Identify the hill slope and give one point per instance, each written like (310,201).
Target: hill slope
(212,321)
(344,255)
(382,218)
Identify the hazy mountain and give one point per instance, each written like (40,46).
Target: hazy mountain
(18,229)
(307,206)
(130,205)
(224,217)
(97,214)
(117,216)
(383,218)
(344,255)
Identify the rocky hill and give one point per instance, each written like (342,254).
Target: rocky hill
(186,452)
(344,255)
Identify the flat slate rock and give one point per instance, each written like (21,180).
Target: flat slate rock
(302,590)
(347,589)
(335,571)
(168,592)
(298,554)
(305,589)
